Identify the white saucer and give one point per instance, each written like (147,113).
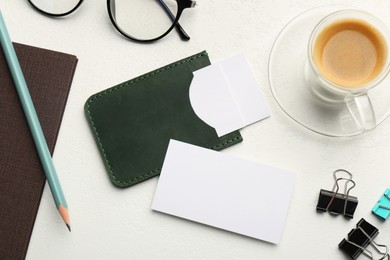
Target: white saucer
(287,71)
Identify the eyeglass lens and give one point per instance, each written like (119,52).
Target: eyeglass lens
(143,19)
(55,7)
(139,19)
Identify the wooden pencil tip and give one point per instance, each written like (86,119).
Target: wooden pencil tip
(69,227)
(65,215)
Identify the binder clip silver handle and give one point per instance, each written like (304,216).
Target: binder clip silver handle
(346,191)
(335,178)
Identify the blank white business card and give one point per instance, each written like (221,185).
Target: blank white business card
(223,191)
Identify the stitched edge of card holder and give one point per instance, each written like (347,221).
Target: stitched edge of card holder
(143,176)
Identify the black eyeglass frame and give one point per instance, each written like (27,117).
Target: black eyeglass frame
(182,4)
(56,15)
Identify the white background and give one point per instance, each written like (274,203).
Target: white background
(112,223)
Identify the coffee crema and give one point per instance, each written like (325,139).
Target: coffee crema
(350,53)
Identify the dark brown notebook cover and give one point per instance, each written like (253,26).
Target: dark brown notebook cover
(48,75)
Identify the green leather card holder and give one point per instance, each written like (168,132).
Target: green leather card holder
(133,122)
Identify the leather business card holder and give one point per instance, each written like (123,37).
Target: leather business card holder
(133,122)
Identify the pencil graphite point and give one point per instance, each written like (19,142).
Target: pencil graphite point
(65,215)
(69,227)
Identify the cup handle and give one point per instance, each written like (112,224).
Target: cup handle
(360,107)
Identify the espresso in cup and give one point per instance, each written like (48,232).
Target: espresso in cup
(348,56)
(350,52)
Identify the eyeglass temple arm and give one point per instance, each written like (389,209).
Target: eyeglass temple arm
(179,29)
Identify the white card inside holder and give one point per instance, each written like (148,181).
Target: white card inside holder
(225,95)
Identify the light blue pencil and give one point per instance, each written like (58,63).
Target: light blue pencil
(33,122)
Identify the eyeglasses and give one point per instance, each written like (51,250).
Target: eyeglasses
(137,20)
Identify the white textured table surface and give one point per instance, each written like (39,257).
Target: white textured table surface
(111,223)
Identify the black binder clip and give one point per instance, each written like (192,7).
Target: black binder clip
(336,203)
(358,240)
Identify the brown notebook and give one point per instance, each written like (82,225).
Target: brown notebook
(48,75)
